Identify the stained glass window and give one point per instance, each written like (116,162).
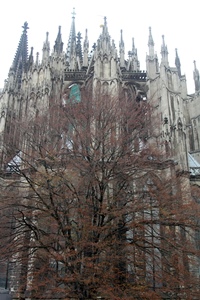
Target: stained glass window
(75,95)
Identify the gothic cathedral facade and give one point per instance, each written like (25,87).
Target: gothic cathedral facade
(33,84)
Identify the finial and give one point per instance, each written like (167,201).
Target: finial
(195,64)
(47,36)
(73,13)
(25,26)
(121,38)
(37,58)
(149,30)
(31,50)
(163,38)
(133,44)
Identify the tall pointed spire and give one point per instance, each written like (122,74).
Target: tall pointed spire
(22,50)
(121,43)
(37,59)
(85,49)
(151,43)
(151,58)
(46,48)
(196,77)
(178,63)
(164,52)
(20,60)
(30,59)
(121,50)
(134,50)
(58,47)
(71,46)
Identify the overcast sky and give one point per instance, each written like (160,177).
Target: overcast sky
(178,20)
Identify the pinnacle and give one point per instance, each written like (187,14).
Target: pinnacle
(150,41)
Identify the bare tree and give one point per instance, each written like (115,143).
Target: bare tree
(92,210)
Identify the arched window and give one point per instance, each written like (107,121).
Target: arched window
(75,94)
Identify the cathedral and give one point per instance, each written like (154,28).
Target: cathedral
(34,81)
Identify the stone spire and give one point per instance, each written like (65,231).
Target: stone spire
(20,60)
(178,63)
(85,49)
(30,59)
(196,77)
(164,52)
(151,43)
(151,58)
(133,63)
(58,47)
(134,50)
(37,59)
(46,49)
(121,50)
(71,46)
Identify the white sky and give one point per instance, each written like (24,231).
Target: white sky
(178,20)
